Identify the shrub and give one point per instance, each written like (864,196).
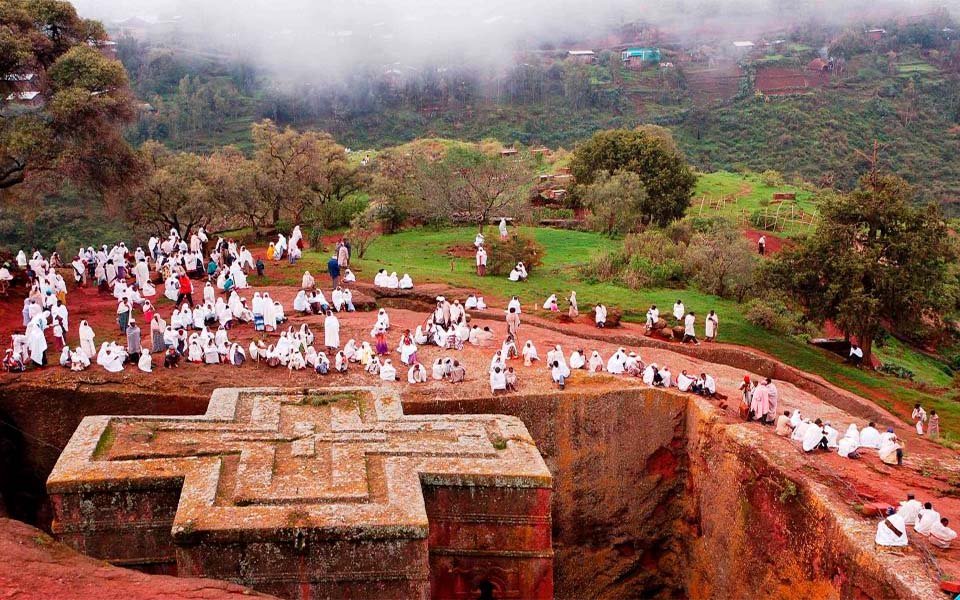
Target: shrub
(505,254)
(773,315)
(771,178)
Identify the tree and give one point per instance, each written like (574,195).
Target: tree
(617,202)
(721,262)
(364,228)
(77,134)
(294,171)
(874,259)
(480,184)
(228,177)
(172,194)
(667,178)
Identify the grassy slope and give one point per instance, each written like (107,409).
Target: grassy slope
(423,254)
(747,194)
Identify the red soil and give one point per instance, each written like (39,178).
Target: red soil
(774,244)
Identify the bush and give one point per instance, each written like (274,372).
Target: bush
(773,315)
(771,178)
(505,254)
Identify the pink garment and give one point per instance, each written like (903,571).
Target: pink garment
(760,402)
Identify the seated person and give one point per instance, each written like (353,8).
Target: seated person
(941,535)
(891,531)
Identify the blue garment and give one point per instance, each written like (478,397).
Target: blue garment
(333,267)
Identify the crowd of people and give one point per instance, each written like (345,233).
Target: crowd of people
(205,282)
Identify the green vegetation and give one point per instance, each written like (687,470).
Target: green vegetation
(737,197)
(104,443)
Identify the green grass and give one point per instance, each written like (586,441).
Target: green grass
(749,194)
(925,368)
(423,254)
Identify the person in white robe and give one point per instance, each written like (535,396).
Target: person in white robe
(650,373)
(387,371)
(600,315)
(814,437)
(711,324)
(892,531)
(269,312)
(380,279)
(800,430)
(417,374)
(111,357)
(481,305)
(559,373)
(308,282)
(832,435)
(679,311)
(383,320)
(331,331)
(498,380)
(550,303)
(529,353)
(596,362)
(407,350)
(854,434)
(406,283)
(300,304)
(514,274)
(279,247)
(666,377)
(36,338)
(847,447)
(941,535)
(910,509)
(684,381)
(577,360)
(503,228)
(616,362)
(795,418)
(236,356)
(348,276)
(87,339)
(145,363)
(392,281)
(925,519)
(870,437)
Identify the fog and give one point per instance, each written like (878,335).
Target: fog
(334,36)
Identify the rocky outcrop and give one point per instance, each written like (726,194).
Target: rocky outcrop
(755,529)
(34,566)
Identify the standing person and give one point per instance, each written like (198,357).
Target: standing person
(186,290)
(331,331)
(123,315)
(711,325)
(919,416)
(600,315)
(933,427)
(343,255)
(481,261)
(513,321)
(679,311)
(746,397)
(333,268)
(503,228)
(689,331)
(133,342)
(762,245)
(574,311)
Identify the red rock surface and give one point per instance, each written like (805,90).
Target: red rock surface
(34,566)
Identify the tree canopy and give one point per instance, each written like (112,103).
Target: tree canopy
(617,202)
(874,259)
(77,132)
(664,172)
